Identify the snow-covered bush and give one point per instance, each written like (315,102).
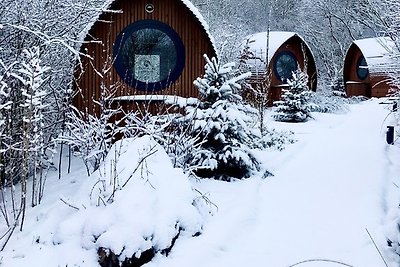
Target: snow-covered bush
(136,203)
(223,125)
(166,130)
(295,105)
(273,139)
(90,138)
(328,103)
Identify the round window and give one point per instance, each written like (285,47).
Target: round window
(362,68)
(285,64)
(149,55)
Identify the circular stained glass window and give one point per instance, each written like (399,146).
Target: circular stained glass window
(285,64)
(149,55)
(362,68)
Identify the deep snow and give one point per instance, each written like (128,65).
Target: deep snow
(327,189)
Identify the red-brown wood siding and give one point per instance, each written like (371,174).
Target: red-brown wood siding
(303,54)
(106,29)
(374,85)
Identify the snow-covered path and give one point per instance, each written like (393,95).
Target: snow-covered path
(327,190)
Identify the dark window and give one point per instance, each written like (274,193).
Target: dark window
(362,68)
(285,64)
(149,55)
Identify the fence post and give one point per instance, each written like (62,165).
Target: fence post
(390,135)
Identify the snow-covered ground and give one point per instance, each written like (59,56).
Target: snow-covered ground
(328,189)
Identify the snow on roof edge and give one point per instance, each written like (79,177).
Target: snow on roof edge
(258,41)
(85,31)
(376,50)
(275,41)
(203,23)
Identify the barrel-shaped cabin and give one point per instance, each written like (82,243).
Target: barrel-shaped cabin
(272,57)
(366,67)
(142,51)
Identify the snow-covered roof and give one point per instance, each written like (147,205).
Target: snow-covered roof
(202,21)
(259,42)
(377,51)
(106,8)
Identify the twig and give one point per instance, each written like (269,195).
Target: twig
(11,231)
(102,200)
(322,260)
(139,164)
(94,186)
(206,199)
(8,230)
(69,205)
(60,161)
(373,241)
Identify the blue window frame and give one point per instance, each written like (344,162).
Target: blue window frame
(362,68)
(149,55)
(285,63)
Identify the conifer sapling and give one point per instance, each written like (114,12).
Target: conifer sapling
(223,124)
(294,105)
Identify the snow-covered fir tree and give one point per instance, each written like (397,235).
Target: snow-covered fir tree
(223,124)
(294,105)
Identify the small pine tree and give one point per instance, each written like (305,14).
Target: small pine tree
(294,105)
(222,124)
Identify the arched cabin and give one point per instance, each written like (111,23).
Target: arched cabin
(283,53)
(366,65)
(143,51)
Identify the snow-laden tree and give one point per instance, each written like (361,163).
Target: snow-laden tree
(389,13)
(32,75)
(5,107)
(223,124)
(21,128)
(34,99)
(328,26)
(294,105)
(55,27)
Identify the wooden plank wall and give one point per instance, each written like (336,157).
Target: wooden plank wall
(294,45)
(380,85)
(358,89)
(106,29)
(374,85)
(350,65)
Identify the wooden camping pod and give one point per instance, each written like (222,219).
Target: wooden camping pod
(366,65)
(178,20)
(283,53)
